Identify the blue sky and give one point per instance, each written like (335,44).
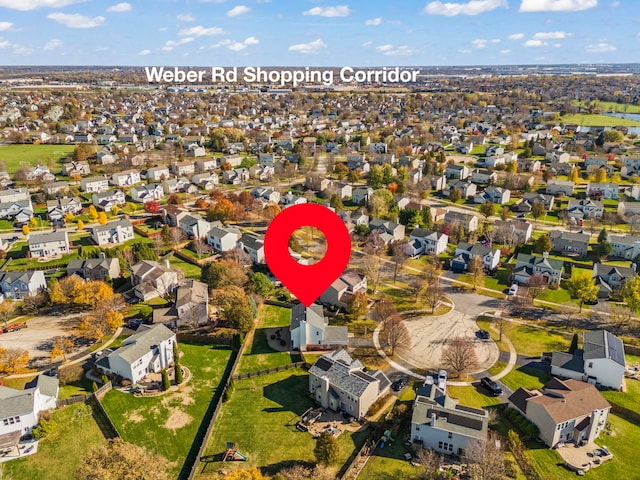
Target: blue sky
(318,32)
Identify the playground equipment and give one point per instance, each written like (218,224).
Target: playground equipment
(232,453)
(386,438)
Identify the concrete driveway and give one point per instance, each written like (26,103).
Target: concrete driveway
(37,337)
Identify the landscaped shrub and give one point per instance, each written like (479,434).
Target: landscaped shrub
(104,379)
(378,404)
(44,428)
(125,382)
(178,373)
(166,384)
(70,374)
(94,387)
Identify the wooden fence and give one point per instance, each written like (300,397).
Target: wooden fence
(206,339)
(279,368)
(630,415)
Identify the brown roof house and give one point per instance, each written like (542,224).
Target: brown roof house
(343,288)
(151,280)
(191,307)
(564,411)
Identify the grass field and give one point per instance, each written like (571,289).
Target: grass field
(259,355)
(60,455)
(532,342)
(616,107)
(269,406)
(525,377)
(598,120)
(472,396)
(167,424)
(629,399)
(14,155)
(189,270)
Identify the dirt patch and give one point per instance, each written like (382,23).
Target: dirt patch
(177,419)
(183,396)
(135,417)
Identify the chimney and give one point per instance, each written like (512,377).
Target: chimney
(433,418)
(166,264)
(545,254)
(102,256)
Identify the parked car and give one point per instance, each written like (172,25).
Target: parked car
(483,335)
(399,384)
(491,385)
(513,289)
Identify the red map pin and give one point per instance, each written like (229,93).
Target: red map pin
(307,282)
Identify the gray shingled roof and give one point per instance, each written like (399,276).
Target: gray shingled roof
(313,315)
(602,344)
(568,361)
(47,385)
(141,342)
(344,372)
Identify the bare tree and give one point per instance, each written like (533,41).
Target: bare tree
(620,316)
(475,275)
(394,333)
(431,285)
(158,244)
(199,246)
(486,459)
(383,309)
(239,256)
(177,237)
(459,355)
(430,462)
(399,256)
(372,265)
(537,285)
(129,256)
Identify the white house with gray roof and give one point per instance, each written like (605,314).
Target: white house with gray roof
(310,329)
(343,288)
(194,226)
(20,409)
(19,284)
(600,361)
(109,199)
(223,239)
(145,193)
(94,184)
(113,232)
(253,244)
(440,423)
(149,350)
(43,245)
(529,265)
(339,383)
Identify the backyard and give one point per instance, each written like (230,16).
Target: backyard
(60,454)
(270,406)
(168,424)
(14,155)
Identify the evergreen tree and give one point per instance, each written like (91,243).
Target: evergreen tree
(326,449)
(166,384)
(574,344)
(178,372)
(94,387)
(602,236)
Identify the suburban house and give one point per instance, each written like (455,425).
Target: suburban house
(343,288)
(567,411)
(223,239)
(268,194)
(148,192)
(151,280)
(42,245)
(466,251)
(94,268)
(440,423)
(107,200)
(560,187)
(423,242)
(482,176)
(529,199)
(158,174)
(94,184)
(466,189)
(57,209)
(76,169)
(206,180)
(113,232)
(190,309)
(310,329)
(183,168)
(497,195)
(520,229)
(529,265)
(253,244)
(458,172)
(581,209)
(625,246)
(194,226)
(17,284)
(569,243)
(149,350)
(600,361)
(468,221)
(235,176)
(20,409)
(435,182)
(361,194)
(610,278)
(339,383)
(627,209)
(602,190)
(126,178)
(390,231)
(206,164)
(55,188)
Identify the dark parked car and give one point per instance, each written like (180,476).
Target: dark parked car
(483,334)
(491,385)
(399,384)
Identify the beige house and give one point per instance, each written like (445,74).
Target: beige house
(339,383)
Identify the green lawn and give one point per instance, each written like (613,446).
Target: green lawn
(559,295)
(525,377)
(273,316)
(269,406)
(497,368)
(389,462)
(598,120)
(616,107)
(14,155)
(629,399)
(168,424)
(60,454)
(79,387)
(531,341)
(189,270)
(625,455)
(472,396)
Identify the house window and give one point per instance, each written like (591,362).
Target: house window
(440,445)
(450,435)
(451,447)
(590,364)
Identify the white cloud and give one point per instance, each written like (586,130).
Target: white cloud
(373,22)
(75,20)
(5,26)
(479,43)
(251,41)
(143,53)
(53,44)
(185,17)
(473,7)
(368,44)
(239,46)
(601,47)
(557,5)
(465,51)
(516,36)
(505,52)
(33,4)
(337,11)
(615,4)
(495,40)
(238,10)
(4,43)
(309,48)
(551,35)
(200,31)
(400,50)
(171,44)
(534,43)
(22,51)
(120,7)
